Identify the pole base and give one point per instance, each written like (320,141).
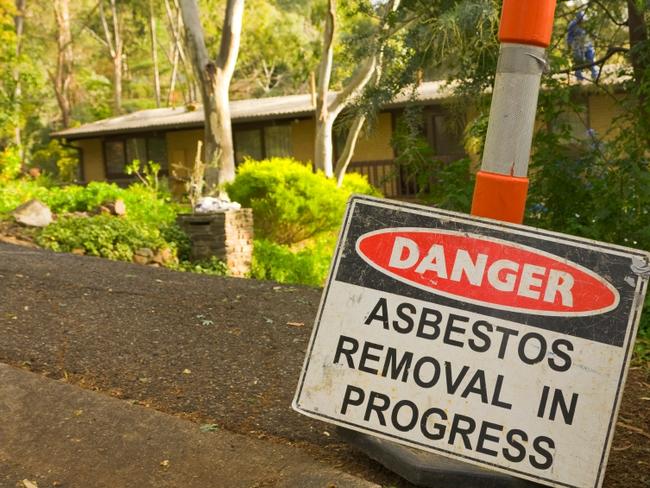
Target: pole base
(500,197)
(429,470)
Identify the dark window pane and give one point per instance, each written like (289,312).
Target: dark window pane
(136,148)
(114,157)
(158,151)
(448,137)
(248,144)
(277,141)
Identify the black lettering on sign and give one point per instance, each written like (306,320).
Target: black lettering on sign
(558,401)
(393,368)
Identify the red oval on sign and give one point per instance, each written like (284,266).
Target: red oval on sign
(487,271)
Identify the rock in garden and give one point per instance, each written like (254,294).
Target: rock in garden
(33,213)
(163,256)
(117,208)
(143,256)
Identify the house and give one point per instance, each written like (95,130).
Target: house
(284,126)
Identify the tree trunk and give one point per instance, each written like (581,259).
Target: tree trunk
(639,50)
(638,37)
(65,61)
(19,23)
(214,80)
(154,53)
(114,43)
(348,151)
(323,153)
(327,111)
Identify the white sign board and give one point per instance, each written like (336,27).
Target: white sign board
(500,345)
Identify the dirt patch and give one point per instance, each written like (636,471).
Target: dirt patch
(221,351)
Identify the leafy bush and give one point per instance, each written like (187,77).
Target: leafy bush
(17,192)
(277,262)
(9,164)
(57,160)
(212,266)
(290,202)
(143,205)
(101,235)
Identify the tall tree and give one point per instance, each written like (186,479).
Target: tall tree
(62,78)
(214,79)
(114,42)
(328,108)
(19,21)
(177,53)
(154,52)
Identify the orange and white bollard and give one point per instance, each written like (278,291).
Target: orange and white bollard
(502,183)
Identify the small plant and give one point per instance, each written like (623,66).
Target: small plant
(307,266)
(194,178)
(147,173)
(212,266)
(102,235)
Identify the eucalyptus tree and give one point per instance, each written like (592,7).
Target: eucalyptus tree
(214,77)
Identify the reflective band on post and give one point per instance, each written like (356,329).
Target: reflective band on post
(527,21)
(500,197)
(521,58)
(512,113)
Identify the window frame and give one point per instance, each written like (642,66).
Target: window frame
(123,139)
(260,128)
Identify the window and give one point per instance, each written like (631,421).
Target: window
(262,142)
(120,152)
(277,141)
(248,144)
(445,136)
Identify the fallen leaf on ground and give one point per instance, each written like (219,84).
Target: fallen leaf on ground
(296,324)
(29,484)
(165,463)
(187,371)
(209,428)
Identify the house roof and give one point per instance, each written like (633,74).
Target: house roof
(278,108)
(250,110)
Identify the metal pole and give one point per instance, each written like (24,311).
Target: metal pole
(502,183)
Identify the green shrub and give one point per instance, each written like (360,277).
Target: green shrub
(290,202)
(143,205)
(58,160)
(9,164)
(17,192)
(212,266)
(277,262)
(102,235)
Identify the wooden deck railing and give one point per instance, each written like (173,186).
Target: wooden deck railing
(388,177)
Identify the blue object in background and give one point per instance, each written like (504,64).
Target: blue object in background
(581,46)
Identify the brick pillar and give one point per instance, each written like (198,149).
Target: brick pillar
(227,235)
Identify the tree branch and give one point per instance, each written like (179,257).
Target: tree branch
(610,15)
(194,32)
(327,60)
(610,52)
(108,38)
(230,38)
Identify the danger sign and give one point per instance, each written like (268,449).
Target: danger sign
(500,345)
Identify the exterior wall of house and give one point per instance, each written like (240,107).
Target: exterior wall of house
(93,159)
(302,139)
(375,146)
(181,151)
(602,112)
